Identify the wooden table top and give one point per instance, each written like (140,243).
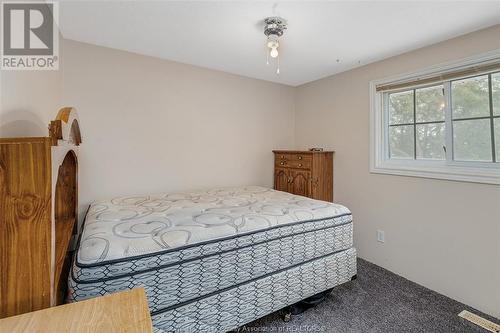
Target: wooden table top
(126,311)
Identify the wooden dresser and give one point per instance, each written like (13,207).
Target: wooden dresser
(38,215)
(305,173)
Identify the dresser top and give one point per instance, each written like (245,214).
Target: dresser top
(301,152)
(125,311)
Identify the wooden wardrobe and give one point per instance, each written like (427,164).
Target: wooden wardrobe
(306,173)
(38,215)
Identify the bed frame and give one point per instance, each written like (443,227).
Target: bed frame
(38,215)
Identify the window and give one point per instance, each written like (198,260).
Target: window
(444,124)
(417,124)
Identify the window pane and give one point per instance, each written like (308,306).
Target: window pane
(430,141)
(470,97)
(472,140)
(401,141)
(497,138)
(401,108)
(430,104)
(495,85)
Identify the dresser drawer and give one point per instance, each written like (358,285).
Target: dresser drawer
(296,161)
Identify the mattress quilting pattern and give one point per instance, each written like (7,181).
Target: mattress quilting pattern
(188,279)
(154,261)
(127,227)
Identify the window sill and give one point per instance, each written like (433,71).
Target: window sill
(463,172)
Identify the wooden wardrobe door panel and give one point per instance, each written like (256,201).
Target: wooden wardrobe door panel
(281,178)
(25,201)
(322,177)
(300,182)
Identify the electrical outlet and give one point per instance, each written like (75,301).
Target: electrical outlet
(381,236)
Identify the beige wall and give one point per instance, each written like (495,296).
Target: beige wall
(152,125)
(28,101)
(444,235)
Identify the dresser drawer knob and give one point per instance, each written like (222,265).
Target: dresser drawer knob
(300,157)
(282,163)
(300,164)
(282,157)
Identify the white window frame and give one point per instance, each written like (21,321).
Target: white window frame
(477,172)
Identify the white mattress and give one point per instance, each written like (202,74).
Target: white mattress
(137,226)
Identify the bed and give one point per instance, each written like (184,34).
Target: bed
(213,260)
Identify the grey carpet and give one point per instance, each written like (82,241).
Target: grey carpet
(378,301)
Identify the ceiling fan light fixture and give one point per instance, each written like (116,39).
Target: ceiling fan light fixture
(274,29)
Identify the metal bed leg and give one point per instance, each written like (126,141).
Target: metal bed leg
(286,314)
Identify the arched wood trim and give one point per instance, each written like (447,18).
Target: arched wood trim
(65,127)
(65,213)
(64,114)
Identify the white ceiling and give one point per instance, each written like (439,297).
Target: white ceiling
(228,35)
